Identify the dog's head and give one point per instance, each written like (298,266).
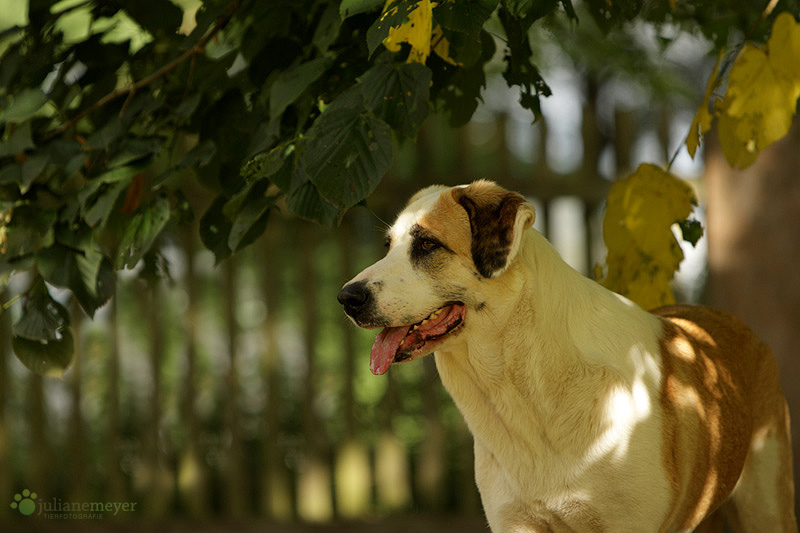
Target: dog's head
(446,249)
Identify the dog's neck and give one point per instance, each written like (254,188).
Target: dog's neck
(540,353)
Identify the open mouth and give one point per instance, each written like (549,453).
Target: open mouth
(395,344)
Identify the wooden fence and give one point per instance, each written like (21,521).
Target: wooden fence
(240,391)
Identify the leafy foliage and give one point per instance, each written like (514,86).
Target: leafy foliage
(643,252)
(105,131)
(758,107)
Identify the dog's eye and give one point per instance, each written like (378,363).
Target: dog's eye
(428,244)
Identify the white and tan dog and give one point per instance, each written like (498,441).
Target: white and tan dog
(588,413)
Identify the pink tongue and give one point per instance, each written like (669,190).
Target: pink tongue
(385,347)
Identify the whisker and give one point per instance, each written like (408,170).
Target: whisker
(386,225)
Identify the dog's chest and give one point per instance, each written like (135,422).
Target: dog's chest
(588,448)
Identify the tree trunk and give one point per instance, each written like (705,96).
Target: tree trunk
(276,501)
(6,474)
(78,466)
(754,253)
(115,481)
(152,481)
(235,490)
(314,497)
(192,474)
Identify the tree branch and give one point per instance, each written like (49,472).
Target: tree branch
(129,91)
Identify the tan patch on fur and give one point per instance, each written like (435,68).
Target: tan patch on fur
(711,364)
(448,221)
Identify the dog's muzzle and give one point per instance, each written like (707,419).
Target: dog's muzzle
(356,298)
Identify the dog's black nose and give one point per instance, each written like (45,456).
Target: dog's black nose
(354,297)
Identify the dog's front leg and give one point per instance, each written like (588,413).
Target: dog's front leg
(515,518)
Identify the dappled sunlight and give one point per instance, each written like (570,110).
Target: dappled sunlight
(314,491)
(392,481)
(701,393)
(353,480)
(626,407)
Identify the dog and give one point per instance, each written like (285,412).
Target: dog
(588,413)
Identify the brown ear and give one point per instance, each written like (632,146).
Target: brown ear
(497,218)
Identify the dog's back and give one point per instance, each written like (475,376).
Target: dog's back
(726,422)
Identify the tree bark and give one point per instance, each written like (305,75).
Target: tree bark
(754,253)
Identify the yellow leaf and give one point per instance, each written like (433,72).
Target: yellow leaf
(763,87)
(784,49)
(643,253)
(420,33)
(736,144)
(702,120)
(416,31)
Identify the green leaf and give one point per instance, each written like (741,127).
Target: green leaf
(98,211)
(520,70)
(134,149)
(155,16)
(215,228)
(98,198)
(121,173)
(346,154)
(467,16)
(266,164)
(250,222)
(327,28)
(187,107)
(460,89)
(47,358)
(43,319)
(308,203)
(26,104)
(142,232)
(30,230)
(529,11)
(691,230)
(32,168)
(18,141)
(199,156)
(81,268)
(102,138)
(348,8)
(398,94)
(293,82)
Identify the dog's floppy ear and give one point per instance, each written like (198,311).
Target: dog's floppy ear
(497,218)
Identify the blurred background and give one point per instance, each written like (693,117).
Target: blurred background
(238,396)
